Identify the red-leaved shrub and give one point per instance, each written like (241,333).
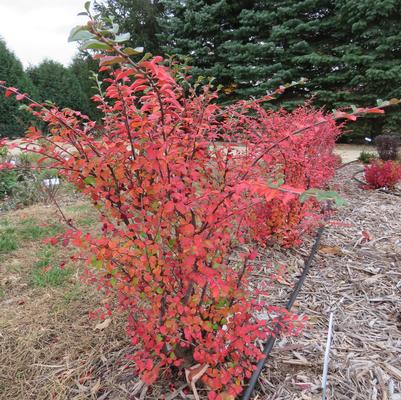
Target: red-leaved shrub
(303,161)
(175,205)
(383,174)
(183,184)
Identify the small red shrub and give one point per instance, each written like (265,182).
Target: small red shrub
(383,174)
(303,161)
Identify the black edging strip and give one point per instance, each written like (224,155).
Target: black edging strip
(272,339)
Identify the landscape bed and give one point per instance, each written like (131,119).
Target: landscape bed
(51,349)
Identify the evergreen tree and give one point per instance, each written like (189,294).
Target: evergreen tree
(199,30)
(371,58)
(13,122)
(139,18)
(255,46)
(59,85)
(279,42)
(348,50)
(84,67)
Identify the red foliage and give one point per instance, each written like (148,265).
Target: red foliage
(283,222)
(303,161)
(175,204)
(383,174)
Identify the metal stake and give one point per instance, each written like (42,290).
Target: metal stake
(326,357)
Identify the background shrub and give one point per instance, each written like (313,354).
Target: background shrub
(383,174)
(22,185)
(387,147)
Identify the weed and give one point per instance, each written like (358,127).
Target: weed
(366,157)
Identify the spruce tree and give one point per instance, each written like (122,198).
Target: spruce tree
(347,50)
(371,58)
(199,30)
(279,42)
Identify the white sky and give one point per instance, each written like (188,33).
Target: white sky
(38,29)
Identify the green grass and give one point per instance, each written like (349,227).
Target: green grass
(13,237)
(8,240)
(87,221)
(30,230)
(47,272)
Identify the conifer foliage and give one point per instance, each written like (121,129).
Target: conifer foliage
(13,121)
(347,50)
(58,84)
(138,17)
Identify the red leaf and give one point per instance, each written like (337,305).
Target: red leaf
(375,111)
(343,115)
(187,230)
(10,91)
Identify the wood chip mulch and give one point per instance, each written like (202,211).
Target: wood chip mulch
(357,276)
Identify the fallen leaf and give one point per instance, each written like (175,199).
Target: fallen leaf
(334,250)
(367,236)
(226,396)
(103,325)
(281,280)
(84,378)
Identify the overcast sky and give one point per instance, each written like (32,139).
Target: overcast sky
(38,29)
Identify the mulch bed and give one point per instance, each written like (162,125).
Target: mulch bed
(357,276)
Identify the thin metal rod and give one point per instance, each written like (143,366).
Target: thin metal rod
(327,357)
(272,339)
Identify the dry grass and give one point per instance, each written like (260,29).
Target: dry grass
(49,348)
